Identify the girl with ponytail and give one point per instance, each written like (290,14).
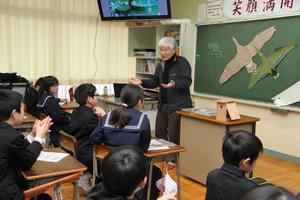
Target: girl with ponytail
(127,125)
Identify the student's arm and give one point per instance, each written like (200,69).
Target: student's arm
(55,112)
(22,154)
(97,135)
(92,123)
(146,134)
(184,79)
(153,82)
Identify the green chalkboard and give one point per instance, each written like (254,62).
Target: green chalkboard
(215,48)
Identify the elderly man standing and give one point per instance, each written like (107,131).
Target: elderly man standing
(173,77)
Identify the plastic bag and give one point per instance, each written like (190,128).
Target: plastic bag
(167,184)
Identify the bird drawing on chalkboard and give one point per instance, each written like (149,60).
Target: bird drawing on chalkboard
(244,54)
(269,64)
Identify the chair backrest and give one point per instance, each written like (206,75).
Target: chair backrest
(35,191)
(99,152)
(68,143)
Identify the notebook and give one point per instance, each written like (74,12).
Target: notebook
(117,88)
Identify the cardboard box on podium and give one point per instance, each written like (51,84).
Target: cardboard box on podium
(227,110)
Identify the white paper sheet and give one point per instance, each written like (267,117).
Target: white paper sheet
(156,145)
(288,96)
(51,156)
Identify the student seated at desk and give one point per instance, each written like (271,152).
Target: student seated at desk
(49,106)
(124,172)
(32,98)
(84,120)
(240,151)
(16,152)
(127,125)
(269,192)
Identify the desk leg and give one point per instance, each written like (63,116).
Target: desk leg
(149,179)
(76,191)
(178,176)
(55,191)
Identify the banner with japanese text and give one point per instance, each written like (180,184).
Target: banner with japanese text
(245,9)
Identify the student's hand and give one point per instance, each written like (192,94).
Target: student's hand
(42,127)
(166,197)
(99,111)
(135,81)
(34,128)
(171,84)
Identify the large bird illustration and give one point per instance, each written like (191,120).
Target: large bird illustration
(245,54)
(269,64)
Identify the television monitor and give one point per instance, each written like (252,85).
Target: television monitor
(134,9)
(118,88)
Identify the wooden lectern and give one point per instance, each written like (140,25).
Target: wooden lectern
(227,110)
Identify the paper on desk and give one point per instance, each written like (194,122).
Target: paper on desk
(288,96)
(156,145)
(51,156)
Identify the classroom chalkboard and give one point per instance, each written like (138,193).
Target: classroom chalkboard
(215,48)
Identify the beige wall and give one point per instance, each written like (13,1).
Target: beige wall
(185,9)
(279,132)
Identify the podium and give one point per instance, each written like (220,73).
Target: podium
(203,137)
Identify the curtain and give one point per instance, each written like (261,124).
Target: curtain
(63,38)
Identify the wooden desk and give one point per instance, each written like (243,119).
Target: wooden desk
(69,105)
(66,166)
(152,156)
(203,136)
(165,155)
(68,111)
(27,123)
(29,119)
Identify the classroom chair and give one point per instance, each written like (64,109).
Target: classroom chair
(33,192)
(68,143)
(99,152)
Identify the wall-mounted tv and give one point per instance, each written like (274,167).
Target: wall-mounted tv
(134,9)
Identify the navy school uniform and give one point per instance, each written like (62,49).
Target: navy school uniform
(227,183)
(31,98)
(16,154)
(99,192)
(83,121)
(48,105)
(137,133)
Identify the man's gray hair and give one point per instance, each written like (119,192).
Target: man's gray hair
(167,42)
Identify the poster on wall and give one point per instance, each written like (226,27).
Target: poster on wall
(245,9)
(214,9)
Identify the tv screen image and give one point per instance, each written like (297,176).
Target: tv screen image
(134,9)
